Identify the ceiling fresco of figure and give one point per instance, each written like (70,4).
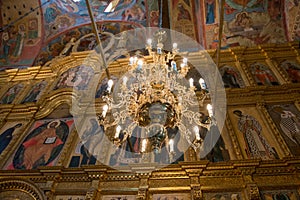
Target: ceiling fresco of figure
(29,29)
(249,22)
(30,26)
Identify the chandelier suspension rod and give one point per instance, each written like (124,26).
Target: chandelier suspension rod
(160,14)
(95,29)
(220,31)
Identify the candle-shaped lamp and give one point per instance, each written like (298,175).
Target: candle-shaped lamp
(202,84)
(140,64)
(104,110)
(118,130)
(191,80)
(131,60)
(144,145)
(125,79)
(175,45)
(109,85)
(196,131)
(149,42)
(174,66)
(171,145)
(184,61)
(210,110)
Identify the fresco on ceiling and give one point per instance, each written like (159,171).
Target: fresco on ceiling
(182,17)
(287,120)
(292,19)
(292,69)
(11,94)
(42,145)
(231,77)
(65,14)
(246,23)
(252,136)
(77,78)
(263,75)
(35,92)
(89,148)
(20,33)
(81,39)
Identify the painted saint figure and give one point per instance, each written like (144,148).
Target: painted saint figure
(11,94)
(210,11)
(263,75)
(42,145)
(35,92)
(256,145)
(231,78)
(289,124)
(6,137)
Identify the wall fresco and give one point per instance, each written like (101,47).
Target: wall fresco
(20,33)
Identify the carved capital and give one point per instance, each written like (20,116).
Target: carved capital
(142,192)
(197,193)
(253,192)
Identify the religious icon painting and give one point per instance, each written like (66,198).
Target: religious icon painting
(177,196)
(77,78)
(9,134)
(42,145)
(280,195)
(90,147)
(11,94)
(231,77)
(254,137)
(36,92)
(287,120)
(263,75)
(292,69)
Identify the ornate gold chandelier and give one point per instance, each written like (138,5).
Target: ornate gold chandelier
(155,97)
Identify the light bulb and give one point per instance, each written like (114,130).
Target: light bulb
(144,144)
(109,85)
(175,45)
(140,64)
(210,110)
(196,131)
(118,130)
(149,42)
(191,80)
(171,145)
(131,60)
(105,108)
(174,65)
(184,61)
(125,80)
(202,84)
